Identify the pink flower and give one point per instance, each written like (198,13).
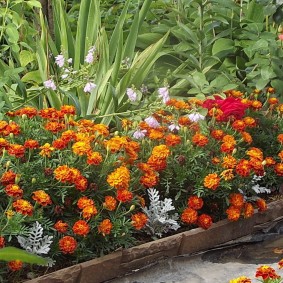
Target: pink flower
(152,122)
(280,36)
(131,94)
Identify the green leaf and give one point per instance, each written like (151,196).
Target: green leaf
(13,34)
(34,3)
(222,47)
(33,76)
(11,253)
(26,57)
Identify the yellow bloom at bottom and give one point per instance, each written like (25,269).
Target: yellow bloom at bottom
(242,279)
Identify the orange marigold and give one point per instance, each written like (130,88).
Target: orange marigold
(101,129)
(256,104)
(110,203)
(172,140)
(28,111)
(115,144)
(15,265)
(273,100)
(212,181)
(84,201)
(229,139)
(250,122)
(68,109)
(81,228)
(94,158)
(65,174)
(161,151)
(139,220)
(16,150)
(42,197)
(204,221)
(67,245)
(81,148)
(4,143)
(23,206)
(13,128)
(269,161)
(8,178)
(280,138)
(81,183)
(266,273)
(46,150)
(68,136)
(149,180)
(248,210)
(61,226)
(13,190)
(243,168)
(200,140)
(278,168)
(189,216)
(255,152)
(89,211)
(261,204)
(247,137)
(227,174)
(217,134)
(124,195)
(59,144)
(233,213)
(195,202)
(2,242)
(215,160)
(236,200)
(239,125)
(242,279)
(105,227)
(31,144)
(229,162)
(156,163)
(54,127)
(227,147)
(120,178)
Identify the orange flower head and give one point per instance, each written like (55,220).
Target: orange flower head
(54,127)
(4,143)
(236,200)
(115,144)
(256,104)
(280,264)
(46,150)
(280,108)
(243,168)
(215,160)
(66,174)
(229,162)
(84,202)
(30,112)
(269,161)
(160,151)
(81,148)
(212,181)
(48,113)
(81,183)
(23,207)
(68,136)
(185,121)
(247,137)
(13,191)
(13,128)
(248,210)
(278,168)
(42,198)
(255,152)
(124,195)
(81,228)
(280,138)
(156,134)
(101,129)
(15,265)
(105,227)
(227,147)
(149,180)
(233,213)
(250,122)
(139,220)
(273,100)
(204,221)
(261,204)
(8,178)
(172,140)
(217,134)
(67,245)
(16,150)
(59,144)
(89,211)
(242,279)
(200,140)
(266,273)
(68,109)
(195,202)
(94,158)
(61,226)
(227,174)
(31,144)
(110,203)
(120,178)
(156,163)
(189,216)
(239,125)
(2,242)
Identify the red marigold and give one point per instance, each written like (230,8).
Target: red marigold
(139,220)
(59,144)
(212,181)
(23,206)
(84,201)
(110,203)
(15,265)
(261,204)
(89,211)
(236,200)
(189,216)
(8,178)
(200,140)
(217,134)
(120,178)
(2,242)
(41,197)
(195,202)
(149,180)
(81,183)
(16,150)
(239,125)
(94,158)
(266,272)
(124,195)
(204,221)
(233,213)
(31,144)
(61,226)
(172,140)
(81,228)
(278,168)
(105,227)
(14,191)
(247,137)
(12,128)
(248,210)
(67,245)
(243,168)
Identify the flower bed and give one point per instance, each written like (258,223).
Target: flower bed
(73,189)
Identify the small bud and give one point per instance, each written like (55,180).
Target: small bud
(8,163)
(116,133)
(24,116)
(263,162)
(33,180)
(11,135)
(17,179)
(234,151)
(132,207)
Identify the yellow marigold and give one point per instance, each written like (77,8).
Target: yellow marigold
(242,279)
(229,162)
(115,144)
(46,150)
(110,203)
(227,174)
(189,216)
(81,148)
(160,151)
(41,197)
(105,227)
(236,200)
(255,152)
(212,181)
(139,220)
(94,158)
(233,213)
(120,178)
(200,140)
(23,206)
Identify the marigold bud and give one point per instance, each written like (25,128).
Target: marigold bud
(8,163)
(33,180)
(132,207)
(24,116)
(17,179)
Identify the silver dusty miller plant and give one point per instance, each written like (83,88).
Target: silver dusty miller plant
(159,219)
(36,243)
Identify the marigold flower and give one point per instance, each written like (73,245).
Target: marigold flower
(155,134)
(273,100)
(269,161)
(15,265)
(94,158)
(2,242)
(280,264)
(204,221)
(243,168)
(124,195)
(139,220)
(89,211)
(160,151)
(81,183)
(185,121)
(4,143)
(81,148)
(236,200)
(239,125)
(242,279)
(67,245)
(66,174)
(195,202)
(189,216)
(8,178)
(31,144)
(217,134)
(247,137)
(68,109)
(212,181)
(280,108)
(105,227)
(266,272)
(59,144)
(278,168)
(261,204)
(115,144)
(84,202)
(200,140)
(54,127)
(229,139)
(16,150)
(256,104)
(13,190)
(172,140)
(68,136)
(23,206)
(215,160)
(248,210)
(255,152)
(30,112)
(81,228)
(61,226)
(110,203)
(101,129)
(120,178)
(12,128)
(250,122)
(46,150)
(149,180)
(156,163)
(227,174)
(42,197)
(233,213)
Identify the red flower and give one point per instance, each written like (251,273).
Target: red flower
(204,221)
(67,245)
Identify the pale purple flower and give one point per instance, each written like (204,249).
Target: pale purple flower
(164,94)
(89,87)
(139,134)
(132,94)
(70,60)
(90,55)
(152,122)
(60,60)
(50,84)
(65,74)
(195,117)
(174,127)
